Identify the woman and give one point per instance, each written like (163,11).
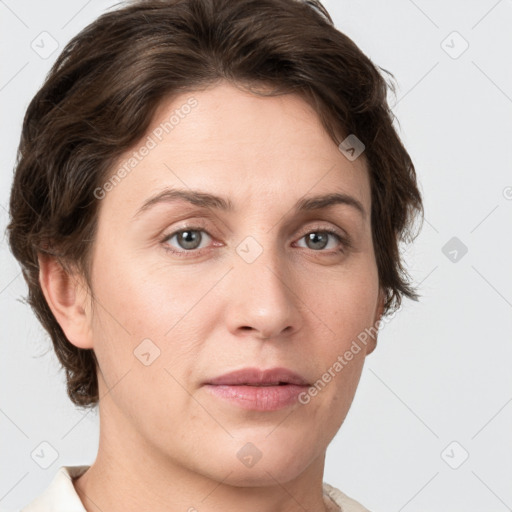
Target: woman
(207,208)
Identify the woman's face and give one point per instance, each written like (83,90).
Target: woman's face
(261,284)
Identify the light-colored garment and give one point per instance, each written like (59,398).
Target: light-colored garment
(61,496)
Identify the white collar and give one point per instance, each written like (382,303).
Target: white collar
(61,495)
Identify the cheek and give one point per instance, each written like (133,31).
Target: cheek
(348,310)
(144,299)
(346,307)
(146,344)
(146,308)
(347,302)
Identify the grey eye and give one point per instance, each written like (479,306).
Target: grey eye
(318,240)
(188,239)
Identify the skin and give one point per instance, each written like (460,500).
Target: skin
(165,443)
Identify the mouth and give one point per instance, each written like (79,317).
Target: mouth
(258,390)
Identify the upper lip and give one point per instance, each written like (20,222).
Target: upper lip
(255,376)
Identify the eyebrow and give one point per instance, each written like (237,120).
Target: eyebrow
(211,201)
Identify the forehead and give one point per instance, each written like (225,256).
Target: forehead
(256,150)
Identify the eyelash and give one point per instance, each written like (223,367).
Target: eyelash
(344,241)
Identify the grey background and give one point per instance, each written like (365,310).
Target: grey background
(439,386)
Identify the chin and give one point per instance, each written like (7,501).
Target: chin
(261,475)
(263,461)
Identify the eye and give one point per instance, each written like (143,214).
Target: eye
(193,239)
(318,240)
(187,240)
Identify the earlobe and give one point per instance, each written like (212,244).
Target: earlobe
(66,296)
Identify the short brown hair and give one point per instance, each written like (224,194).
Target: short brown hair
(101,95)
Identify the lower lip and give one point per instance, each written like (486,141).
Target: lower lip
(258,398)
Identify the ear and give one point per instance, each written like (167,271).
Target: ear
(379,310)
(67,296)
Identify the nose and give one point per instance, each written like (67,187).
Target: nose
(262,298)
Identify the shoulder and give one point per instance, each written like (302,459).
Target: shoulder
(344,502)
(60,495)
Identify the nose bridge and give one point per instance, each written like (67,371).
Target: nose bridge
(265,300)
